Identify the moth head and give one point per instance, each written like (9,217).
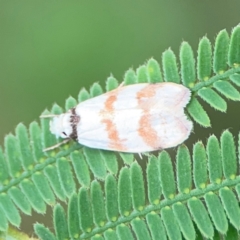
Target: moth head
(61,125)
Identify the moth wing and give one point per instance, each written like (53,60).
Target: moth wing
(135,118)
(163,95)
(146,96)
(171,128)
(139,133)
(105,133)
(155,130)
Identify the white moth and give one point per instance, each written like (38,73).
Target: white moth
(135,118)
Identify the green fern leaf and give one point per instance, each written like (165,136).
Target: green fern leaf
(175,212)
(170,68)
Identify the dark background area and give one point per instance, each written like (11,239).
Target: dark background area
(51,49)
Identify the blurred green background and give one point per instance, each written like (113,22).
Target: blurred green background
(51,49)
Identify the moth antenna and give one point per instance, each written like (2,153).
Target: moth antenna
(56,145)
(49,116)
(121,84)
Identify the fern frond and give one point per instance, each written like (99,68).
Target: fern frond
(135,206)
(168,203)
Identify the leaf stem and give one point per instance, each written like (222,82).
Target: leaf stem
(215,78)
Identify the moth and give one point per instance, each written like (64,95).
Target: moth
(135,118)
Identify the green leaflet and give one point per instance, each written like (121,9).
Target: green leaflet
(221,52)
(124,232)
(4,174)
(235,78)
(80,168)
(140,229)
(213,99)
(83,95)
(20,200)
(184,220)
(234,48)
(4,221)
(130,77)
(228,155)
(36,142)
(33,196)
(60,222)
(65,176)
(170,223)
(200,217)
(95,90)
(156,227)
(111,83)
(43,187)
(85,210)
(111,193)
(24,144)
(226,89)
(110,235)
(51,173)
(166,175)
(13,155)
(128,158)
(137,183)
(98,204)
(73,218)
(43,232)
(216,212)
(11,212)
(110,161)
(170,68)
(97,237)
(204,63)
(70,103)
(142,74)
(95,162)
(154,71)
(125,192)
(214,160)
(199,166)
(230,204)
(187,65)
(153,180)
(184,169)
(198,114)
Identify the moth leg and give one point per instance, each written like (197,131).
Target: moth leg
(56,145)
(140,155)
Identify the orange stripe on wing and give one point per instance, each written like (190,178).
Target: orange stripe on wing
(107,116)
(146,96)
(109,103)
(146,99)
(147,92)
(147,132)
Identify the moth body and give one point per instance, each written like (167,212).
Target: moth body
(134,118)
